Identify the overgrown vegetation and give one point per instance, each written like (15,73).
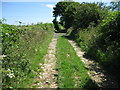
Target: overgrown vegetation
(71,70)
(95,27)
(106,46)
(23,48)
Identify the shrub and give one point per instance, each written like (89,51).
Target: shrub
(20,44)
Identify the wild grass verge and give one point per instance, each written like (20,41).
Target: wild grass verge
(35,55)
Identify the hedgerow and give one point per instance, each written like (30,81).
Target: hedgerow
(21,46)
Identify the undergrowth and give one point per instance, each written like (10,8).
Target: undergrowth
(102,43)
(23,48)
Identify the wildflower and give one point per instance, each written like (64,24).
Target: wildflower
(7,33)
(36,50)
(10,74)
(40,64)
(2,56)
(9,70)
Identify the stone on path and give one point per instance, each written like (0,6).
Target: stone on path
(48,78)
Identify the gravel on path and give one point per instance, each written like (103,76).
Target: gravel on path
(48,78)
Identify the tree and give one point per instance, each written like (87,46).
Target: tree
(70,12)
(2,20)
(59,10)
(60,7)
(55,22)
(115,5)
(87,13)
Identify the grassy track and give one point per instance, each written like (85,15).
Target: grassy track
(72,73)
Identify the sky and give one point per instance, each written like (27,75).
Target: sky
(30,11)
(27,12)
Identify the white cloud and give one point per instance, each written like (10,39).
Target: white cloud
(49,5)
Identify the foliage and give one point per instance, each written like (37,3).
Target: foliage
(110,39)
(95,28)
(56,26)
(23,47)
(115,5)
(79,15)
(59,10)
(102,43)
(87,13)
(70,11)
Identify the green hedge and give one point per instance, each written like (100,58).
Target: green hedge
(23,47)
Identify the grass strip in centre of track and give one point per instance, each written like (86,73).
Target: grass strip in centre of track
(71,70)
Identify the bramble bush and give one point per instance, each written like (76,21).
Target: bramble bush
(107,46)
(21,46)
(102,43)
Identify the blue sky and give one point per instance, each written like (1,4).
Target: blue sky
(30,12)
(27,12)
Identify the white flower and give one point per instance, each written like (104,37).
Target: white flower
(2,56)
(40,64)
(7,33)
(8,70)
(10,73)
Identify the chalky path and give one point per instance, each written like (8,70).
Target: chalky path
(47,77)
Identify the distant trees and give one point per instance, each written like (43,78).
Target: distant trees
(2,20)
(70,13)
(87,13)
(77,14)
(55,22)
(59,11)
